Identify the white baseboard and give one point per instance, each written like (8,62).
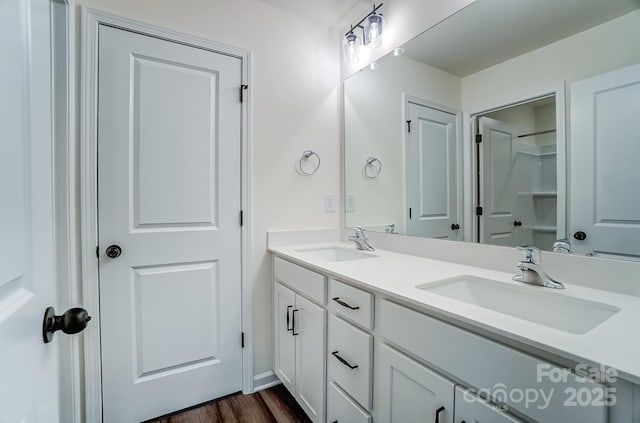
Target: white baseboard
(264,381)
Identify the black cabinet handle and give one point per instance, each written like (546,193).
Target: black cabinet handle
(438,411)
(455,226)
(289,328)
(343,361)
(293,324)
(343,304)
(516,223)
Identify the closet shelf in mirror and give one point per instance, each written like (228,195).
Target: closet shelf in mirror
(540,193)
(531,134)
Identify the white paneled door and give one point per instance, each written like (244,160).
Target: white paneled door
(28,366)
(169,195)
(432,172)
(497,184)
(605,148)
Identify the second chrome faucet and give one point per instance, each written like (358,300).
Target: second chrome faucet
(532,271)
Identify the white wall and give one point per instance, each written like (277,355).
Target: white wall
(375,126)
(404,20)
(295,106)
(603,48)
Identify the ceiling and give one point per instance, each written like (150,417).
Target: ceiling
(326,12)
(466,42)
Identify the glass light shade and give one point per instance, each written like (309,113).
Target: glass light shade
(351,48)
(373,28)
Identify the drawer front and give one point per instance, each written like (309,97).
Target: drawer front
(342,409)
(307,282)
(491,366)
(352,303)
(349,347)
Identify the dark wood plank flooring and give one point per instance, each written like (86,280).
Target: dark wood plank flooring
(273,405)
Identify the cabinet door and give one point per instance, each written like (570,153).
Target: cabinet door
(310,333)
(411,392)
(285,347)
(472,409)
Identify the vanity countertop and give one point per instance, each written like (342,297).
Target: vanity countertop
(614,343)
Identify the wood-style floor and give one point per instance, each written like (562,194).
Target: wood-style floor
(273,405)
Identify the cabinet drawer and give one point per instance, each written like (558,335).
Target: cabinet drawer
(349,359)
(485,364)
(342,409)
(352,303)
(306,282)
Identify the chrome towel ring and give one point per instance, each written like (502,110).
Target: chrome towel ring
(371,164)
(307,156)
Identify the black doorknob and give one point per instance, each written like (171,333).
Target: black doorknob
(580,236)
(517,223)
(455,226)
(72,321)
(113,251)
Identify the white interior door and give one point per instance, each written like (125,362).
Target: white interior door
(28,366)
(497,182)
(169,194)
(432,173)
(605,147)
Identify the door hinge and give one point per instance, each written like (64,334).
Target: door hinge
(97,251)
(409,126)
(409,212)
(242,339)
(479,211)
(241,217)
(478,138)
(242,88)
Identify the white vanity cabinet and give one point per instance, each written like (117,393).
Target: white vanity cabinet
(411,392)
(300,337)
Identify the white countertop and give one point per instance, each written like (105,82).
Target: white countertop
(615,343)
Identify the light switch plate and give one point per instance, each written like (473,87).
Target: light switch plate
(330,202)
(350,202)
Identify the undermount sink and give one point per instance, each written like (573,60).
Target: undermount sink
(337,253)
(534,304)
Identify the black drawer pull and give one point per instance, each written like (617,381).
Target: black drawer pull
(343,304)
(343,361)
(289,329)
(438,411)
(293,324)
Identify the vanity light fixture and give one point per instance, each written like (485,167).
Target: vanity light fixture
(372,27)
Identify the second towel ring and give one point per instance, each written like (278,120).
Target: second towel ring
(371,164)
(306,155)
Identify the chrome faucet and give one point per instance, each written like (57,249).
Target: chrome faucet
(532,271)
(562,246)
(361,240)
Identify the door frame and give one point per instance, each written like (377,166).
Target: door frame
(406,100)
(471,168)
(90,22)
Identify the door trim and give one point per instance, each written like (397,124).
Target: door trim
(90,22)
(468,146)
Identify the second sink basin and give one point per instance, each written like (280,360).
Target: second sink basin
(337,253)
(531,303)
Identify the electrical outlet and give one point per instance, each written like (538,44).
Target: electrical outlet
(330,202)
(350,202)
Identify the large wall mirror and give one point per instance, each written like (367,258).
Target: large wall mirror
(509,123)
